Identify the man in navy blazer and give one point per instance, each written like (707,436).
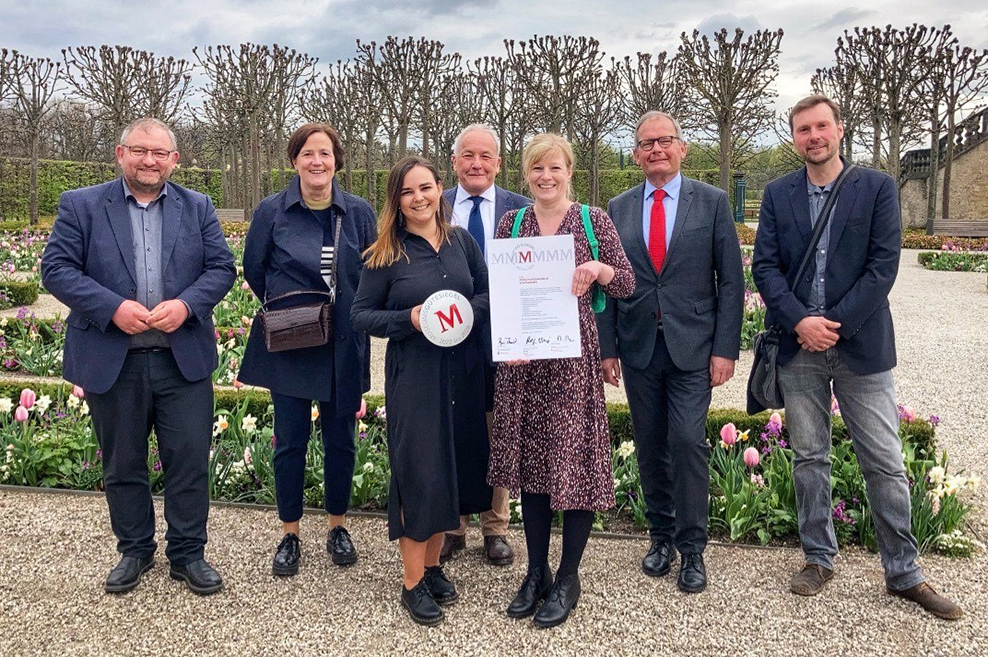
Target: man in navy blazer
(478,204)
(677,337)
(140,262)
(838,332)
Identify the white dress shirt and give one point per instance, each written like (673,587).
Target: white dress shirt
(462,206)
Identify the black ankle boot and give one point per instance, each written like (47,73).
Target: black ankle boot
(561,599)
(533,590)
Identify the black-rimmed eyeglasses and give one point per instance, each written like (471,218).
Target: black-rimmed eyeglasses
(649,144)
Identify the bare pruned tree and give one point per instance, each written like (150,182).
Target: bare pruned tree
(965,78)
(733,78)
(293,72)
(439,73)
(598,113)
(337,101)
(840,83)
(456,103)
(654,83)
(932,96)
(77,133)
(503,98)
(889,63)
(164,87)
(36,82)
(7,59)
(556,73)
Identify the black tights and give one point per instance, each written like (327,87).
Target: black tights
(538,521)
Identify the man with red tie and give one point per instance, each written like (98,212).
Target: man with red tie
(674,339)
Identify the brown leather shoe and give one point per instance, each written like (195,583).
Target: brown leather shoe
(498,551)
(810,580)
(452,543)
(924,595)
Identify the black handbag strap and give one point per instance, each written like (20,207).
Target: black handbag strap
(822,221)
(331,293)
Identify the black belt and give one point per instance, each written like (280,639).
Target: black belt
(148,350)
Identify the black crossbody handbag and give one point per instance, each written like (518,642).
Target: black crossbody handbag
(309,325)
(763,382)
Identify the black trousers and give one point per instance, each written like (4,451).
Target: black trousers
(669,413)
(292,427)
(151,393)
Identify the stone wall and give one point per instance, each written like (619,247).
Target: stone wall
(968,190)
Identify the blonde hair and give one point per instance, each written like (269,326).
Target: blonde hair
(387,248)
(541,147)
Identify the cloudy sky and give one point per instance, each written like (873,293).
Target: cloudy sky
(327,29)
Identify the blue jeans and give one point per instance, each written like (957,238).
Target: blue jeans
(867,403)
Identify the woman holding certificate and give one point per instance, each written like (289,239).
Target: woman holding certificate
(437,432)
(550,438)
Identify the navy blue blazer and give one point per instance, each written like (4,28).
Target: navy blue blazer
(504,201)
(88,265)
(865,240)
(282,254)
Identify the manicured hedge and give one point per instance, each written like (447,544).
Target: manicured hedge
(18,293)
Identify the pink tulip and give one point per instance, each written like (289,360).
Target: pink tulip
(27,398)
(908,414)
(20,414)
(775,419)
(237,384)
(78,392)
(244,286)
(729,434)
(751,457)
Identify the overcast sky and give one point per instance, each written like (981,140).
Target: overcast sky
(327,29)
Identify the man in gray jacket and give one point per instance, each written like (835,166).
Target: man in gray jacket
(677,337)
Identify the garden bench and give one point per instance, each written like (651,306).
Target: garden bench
(229,214)
(961,227)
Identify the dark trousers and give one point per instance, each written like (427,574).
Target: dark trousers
(292,426)
(669,413)
(151,393)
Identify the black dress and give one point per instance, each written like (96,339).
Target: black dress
(437,431)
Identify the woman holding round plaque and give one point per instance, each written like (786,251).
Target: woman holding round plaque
(424,287)
(550,438)
(303,248)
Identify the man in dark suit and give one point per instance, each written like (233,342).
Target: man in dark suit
(140,262)
(838,330)
(478,204)
(677,337)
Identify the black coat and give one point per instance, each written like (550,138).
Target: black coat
(282,254)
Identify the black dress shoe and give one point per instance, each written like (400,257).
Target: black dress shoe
(199,576)
(340,546)
(287,557)
(127,574)
(561,600)
(420,604)
(692,574)
(443,591)
(658,561)
(533,590)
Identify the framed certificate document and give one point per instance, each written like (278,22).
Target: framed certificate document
(534,314)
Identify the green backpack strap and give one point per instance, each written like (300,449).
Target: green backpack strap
(518,217)
(599,301)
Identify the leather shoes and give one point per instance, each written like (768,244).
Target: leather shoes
(199,576)
(534,589)
(810,580)
(498,551)
(287,557)
(443,591)
(340,546)
(452,543)
(692,573)
(924,595)
(562,598)
(420,604)
(658,561)
(126,575)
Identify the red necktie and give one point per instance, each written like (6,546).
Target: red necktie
(657,230)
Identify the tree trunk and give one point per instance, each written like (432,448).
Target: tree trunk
(948,165)
(876,143)
(725,156)
(371,177)
(931,179)
(33,182)
(255,163)
(895,142)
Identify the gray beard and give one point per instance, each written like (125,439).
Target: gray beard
(143,188)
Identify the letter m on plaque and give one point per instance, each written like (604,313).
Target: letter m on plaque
(447,322)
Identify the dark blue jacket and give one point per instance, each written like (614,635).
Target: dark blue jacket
(282,254)
(865,240)
(88,265)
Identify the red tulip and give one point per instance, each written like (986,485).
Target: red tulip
(729,434)
(27,399)
(751,457)
(21,414)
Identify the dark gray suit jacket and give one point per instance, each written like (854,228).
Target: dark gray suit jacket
(700,289)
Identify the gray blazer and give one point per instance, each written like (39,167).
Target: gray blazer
(700,289)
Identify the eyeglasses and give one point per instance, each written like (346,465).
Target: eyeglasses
(140,152)
(649,144)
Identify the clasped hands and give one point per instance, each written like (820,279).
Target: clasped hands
(817,333)
(133,318)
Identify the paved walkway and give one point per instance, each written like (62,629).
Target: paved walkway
(57,549)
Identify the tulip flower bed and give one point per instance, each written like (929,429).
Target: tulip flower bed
(954,260)
(47,440)
(753,320)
